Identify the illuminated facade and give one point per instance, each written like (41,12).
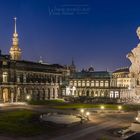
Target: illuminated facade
(92,84)
(123,78)
(40,81)
(20,79)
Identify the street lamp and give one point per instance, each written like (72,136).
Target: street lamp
(82,115)
(137,118)
(28,97)
(82,111)
(87,115)
(119,107)
(102,107)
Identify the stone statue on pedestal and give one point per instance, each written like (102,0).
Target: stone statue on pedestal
(134,57)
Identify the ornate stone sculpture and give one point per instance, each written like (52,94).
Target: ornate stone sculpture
(134,57)
(138,32)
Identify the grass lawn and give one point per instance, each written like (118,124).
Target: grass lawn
(78,105)
(20,123)
(46,102)
(61,104)
(106,106)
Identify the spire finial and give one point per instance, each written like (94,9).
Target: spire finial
(15,25)
(15,51)
(72,62)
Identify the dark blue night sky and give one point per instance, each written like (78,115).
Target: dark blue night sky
(94,32)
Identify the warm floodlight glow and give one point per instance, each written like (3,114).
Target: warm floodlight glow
(137,118)
(87,113)
(2,104)
(119,107)
(28,97)
(82,110)
(102,107)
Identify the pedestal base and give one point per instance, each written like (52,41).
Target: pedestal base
(135,126)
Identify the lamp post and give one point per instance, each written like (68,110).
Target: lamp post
(28,97)
(82,115)
(87,115)
(102,108)
(119,108)
(137,119)
(82,111)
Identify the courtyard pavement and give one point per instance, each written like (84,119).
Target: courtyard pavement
(99,126)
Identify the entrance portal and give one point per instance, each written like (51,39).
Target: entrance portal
(5,95)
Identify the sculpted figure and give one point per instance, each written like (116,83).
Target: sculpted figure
(138,32)
(134,68)
(134,57)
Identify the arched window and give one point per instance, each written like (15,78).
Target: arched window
(49,96)
(53,93)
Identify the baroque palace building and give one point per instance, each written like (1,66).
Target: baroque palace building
(41,81)
(123,78)
(118,85)
(92,83)
(19,78)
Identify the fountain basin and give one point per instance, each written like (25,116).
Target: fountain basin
(60,118)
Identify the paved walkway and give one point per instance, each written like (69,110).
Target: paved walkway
(73,135)
(86,131)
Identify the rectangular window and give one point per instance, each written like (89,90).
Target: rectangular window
(79,83)
(71,83)
(101,83)
(83,83)
(116,94)
(87,83)
(92,83)
(75,83)
(111,94)
(18,79)
(4,63)
(106,84)
(24,78)
(5,77)
(97,83)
